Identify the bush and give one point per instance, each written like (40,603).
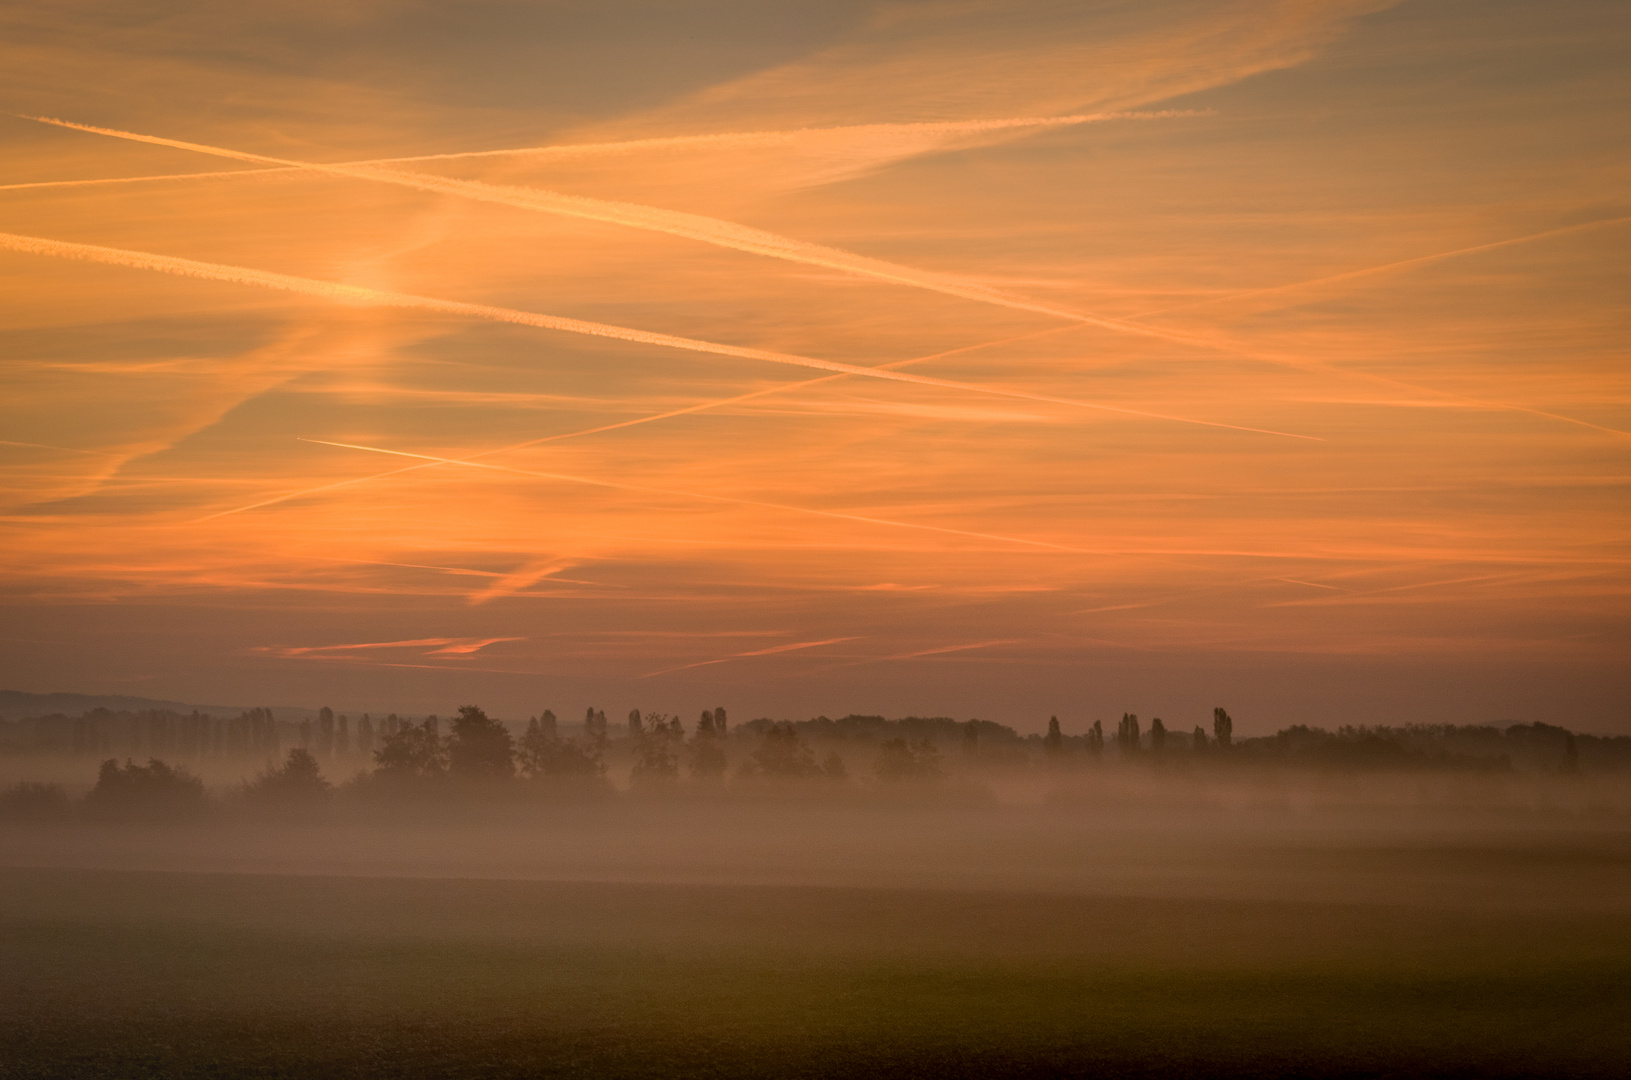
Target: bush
(34,801)
(154,790)
(298,782)
(901,760)
(782,754)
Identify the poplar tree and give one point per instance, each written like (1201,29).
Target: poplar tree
(707,754)
(1127,734)
(325,731)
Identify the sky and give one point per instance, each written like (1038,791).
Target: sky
(937,357)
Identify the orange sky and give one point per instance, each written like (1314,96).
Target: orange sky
(1269,354)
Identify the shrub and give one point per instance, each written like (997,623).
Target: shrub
(154,790)
(32,800)
(298,781)
(901,760)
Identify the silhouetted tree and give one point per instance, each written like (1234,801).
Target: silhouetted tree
(543,753)
(658,749)
(902,760)
(719,721)
(297,781)
(1222,728)
(1095,739)
(34,801)
(365,736)
(707,750)
(1054,741)
(479,747)
(1198,740)
(412,752)
(1158,736)
(325,731)
(594,724)
(151,790)
(1127,734)
(782,753)
(634,721)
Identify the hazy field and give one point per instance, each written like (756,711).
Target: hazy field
(771,937)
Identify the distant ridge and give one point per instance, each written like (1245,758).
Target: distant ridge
(17,705)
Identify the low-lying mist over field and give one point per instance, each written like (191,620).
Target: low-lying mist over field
(663,897)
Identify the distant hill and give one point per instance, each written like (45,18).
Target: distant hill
(16,705)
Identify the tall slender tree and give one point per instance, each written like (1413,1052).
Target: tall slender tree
(707,757)
(1127,736)
(325,732)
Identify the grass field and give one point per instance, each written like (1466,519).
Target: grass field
(179,974)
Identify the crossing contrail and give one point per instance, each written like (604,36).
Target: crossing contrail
(757,241)
(1419,260)
(722,140)
(701,406)
(720,233)
(731,499)
(356,294)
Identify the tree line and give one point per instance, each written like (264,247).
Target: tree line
(473,750)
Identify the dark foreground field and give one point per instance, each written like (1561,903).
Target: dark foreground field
(129,974)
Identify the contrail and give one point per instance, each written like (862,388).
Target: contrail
(724,140)
(1419,260)
(156,178)
(650,418)
(63,449)
(671,493)
(915,655)
(757,652)
(733,500)
(329,290)
(757,241)
(706,230)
